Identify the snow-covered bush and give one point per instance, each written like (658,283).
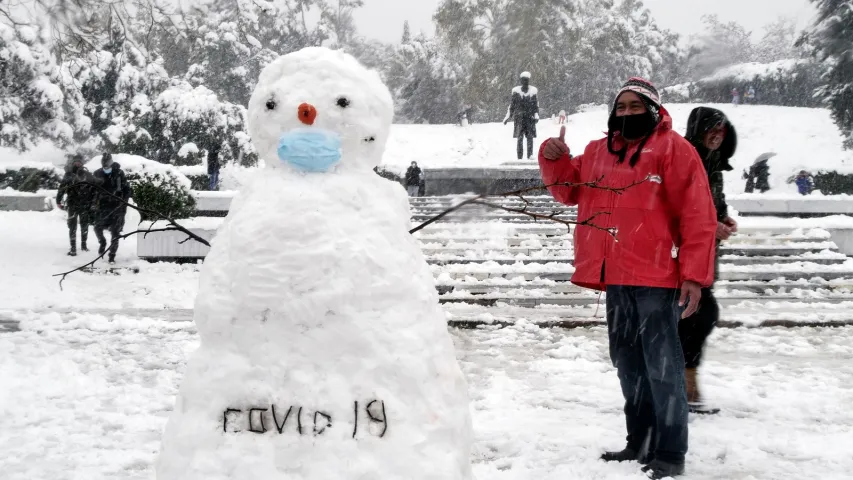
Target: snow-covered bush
(163,194)
(32,100)
(158,187)
(30,179)
(182,120)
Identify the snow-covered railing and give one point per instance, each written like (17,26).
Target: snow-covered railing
(791,205)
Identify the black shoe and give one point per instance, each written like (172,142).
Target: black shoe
(626,455)
(102,248)
(72,253)
(112,260)
(84,248)
(657,469)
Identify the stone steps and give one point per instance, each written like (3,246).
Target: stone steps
(723,286)
(575,300)
(489,251)
(729,259)
(556,275)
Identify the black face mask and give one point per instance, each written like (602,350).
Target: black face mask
(633,127)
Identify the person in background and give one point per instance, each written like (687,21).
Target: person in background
(735,97)
(758,176)
(110,206)
(213,165)
(78,202)
(413,179)
(715,140)
(660,259)
(804,181)
(562,119)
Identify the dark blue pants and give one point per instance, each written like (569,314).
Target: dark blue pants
(642,325)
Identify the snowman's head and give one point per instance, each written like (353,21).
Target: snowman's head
(320,100)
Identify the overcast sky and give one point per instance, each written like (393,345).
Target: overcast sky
(383,19)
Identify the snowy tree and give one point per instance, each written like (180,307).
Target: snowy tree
(831,38)
(339,17)
(425,84)
(580,52)
(407,33)
(32,99)
(181,120)
(720,45)
(779,42)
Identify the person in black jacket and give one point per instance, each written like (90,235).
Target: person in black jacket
(715,139)
(109,207)
(413,179)
(524,112)
(213,165)
(78,202)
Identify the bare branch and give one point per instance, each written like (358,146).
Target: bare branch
(520,193)
(101,256)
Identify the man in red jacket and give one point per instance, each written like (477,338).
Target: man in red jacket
(649,242)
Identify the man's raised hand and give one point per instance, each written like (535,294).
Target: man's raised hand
(556,148)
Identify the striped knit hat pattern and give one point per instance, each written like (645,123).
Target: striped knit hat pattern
(646,91)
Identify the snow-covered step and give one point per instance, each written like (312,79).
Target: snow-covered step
(492,217)
(563,273)
(792,314)
(738,245)
(569,299)
(828,258)
(485,287)
(490,250)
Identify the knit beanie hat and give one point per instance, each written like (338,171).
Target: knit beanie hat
(651,99)
(647,93)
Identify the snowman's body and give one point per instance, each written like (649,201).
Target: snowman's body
(324,353)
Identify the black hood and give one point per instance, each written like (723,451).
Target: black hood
(703,119)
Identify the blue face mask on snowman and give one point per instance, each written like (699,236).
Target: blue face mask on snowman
(310,150)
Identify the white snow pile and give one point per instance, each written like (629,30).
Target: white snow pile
(324,352)
(133,164)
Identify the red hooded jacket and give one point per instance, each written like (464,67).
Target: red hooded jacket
(664,226)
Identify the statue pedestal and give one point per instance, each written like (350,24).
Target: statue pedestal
(494,180)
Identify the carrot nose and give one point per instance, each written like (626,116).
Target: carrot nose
(307,113)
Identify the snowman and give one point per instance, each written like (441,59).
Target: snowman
(324,353)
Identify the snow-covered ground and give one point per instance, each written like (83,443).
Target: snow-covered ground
(32,250)
(86,397)
(803,138)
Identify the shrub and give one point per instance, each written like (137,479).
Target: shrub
(29,179)
(833,183)
(161,193)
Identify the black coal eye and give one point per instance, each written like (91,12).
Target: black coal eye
(343,102)
(271,104)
